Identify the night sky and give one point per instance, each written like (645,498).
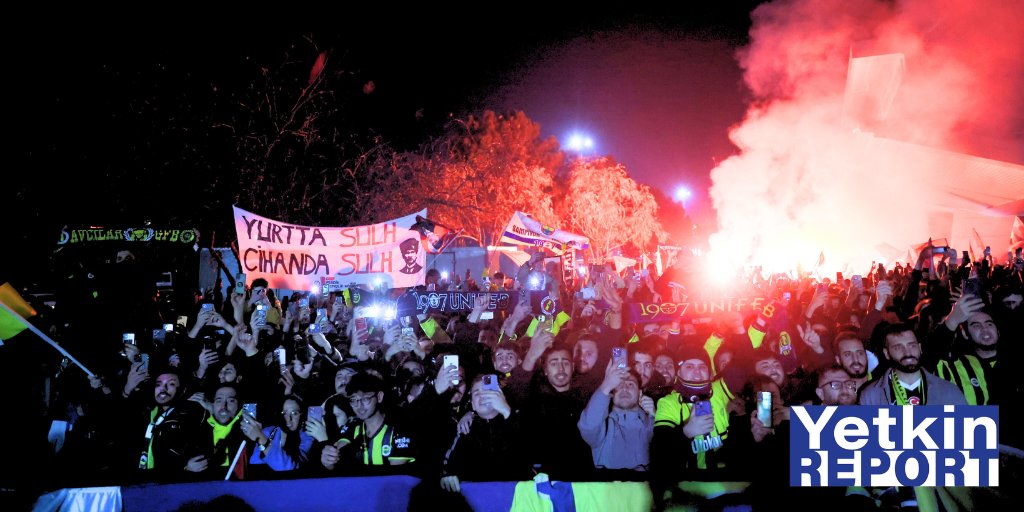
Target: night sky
(104,104)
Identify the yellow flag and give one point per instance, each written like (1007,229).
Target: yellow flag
(9,324)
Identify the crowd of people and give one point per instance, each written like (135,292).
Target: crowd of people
(306,385)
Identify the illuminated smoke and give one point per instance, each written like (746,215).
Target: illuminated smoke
(805,182)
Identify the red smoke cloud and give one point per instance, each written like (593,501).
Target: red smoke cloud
(807,180)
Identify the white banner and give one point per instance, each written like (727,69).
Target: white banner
(296,257)
(525,230)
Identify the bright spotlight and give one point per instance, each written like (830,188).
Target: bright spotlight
(579,142)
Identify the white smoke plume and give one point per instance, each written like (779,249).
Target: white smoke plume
(804,182)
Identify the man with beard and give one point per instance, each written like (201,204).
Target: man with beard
(692,422)
(505,359)
(835,387)
(906,383)
(585,356)
(652,382)
(550,411)
(223,435)
(853,357)
(171,430)
(974,369)
(665,365)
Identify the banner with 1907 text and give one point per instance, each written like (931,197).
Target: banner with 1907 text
(387,254)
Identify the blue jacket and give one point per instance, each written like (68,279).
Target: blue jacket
(275,457)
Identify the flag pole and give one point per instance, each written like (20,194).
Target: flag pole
(47,339)
(450,240)
(235,462)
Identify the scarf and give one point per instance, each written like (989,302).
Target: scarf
(900,393)
(690,392)
(220,432)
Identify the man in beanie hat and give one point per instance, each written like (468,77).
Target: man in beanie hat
(692,423)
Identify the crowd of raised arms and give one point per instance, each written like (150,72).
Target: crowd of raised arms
(305,385)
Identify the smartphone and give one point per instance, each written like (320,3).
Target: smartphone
(972,287)
(207,306)
(619,357)
(261,315)
(315,412)
(168,327)
(487,315)
(451,360)
(786,296)
(362,329)
(321,317)
(282,357)
(159,335)
(145,363)
(209,343)
(240,284)
(764,408)
(408,331)
(858,281)
(128,337)
(250,409)
(183,321)
(490,382)
(301,349)
(702,408)
(546,322)
(938,250)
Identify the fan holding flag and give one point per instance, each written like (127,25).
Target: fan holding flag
(434,236)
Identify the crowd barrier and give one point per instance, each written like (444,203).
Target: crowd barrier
(350,493)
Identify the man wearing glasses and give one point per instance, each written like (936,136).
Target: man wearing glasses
(376,443)
(835,387)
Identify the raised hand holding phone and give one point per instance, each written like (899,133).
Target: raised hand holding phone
(315,412)
(315,426)
(249,409)
(240,284)
(963,308)
(282,360)
(701,421)
(452,361)
(613,376)
(448,375)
